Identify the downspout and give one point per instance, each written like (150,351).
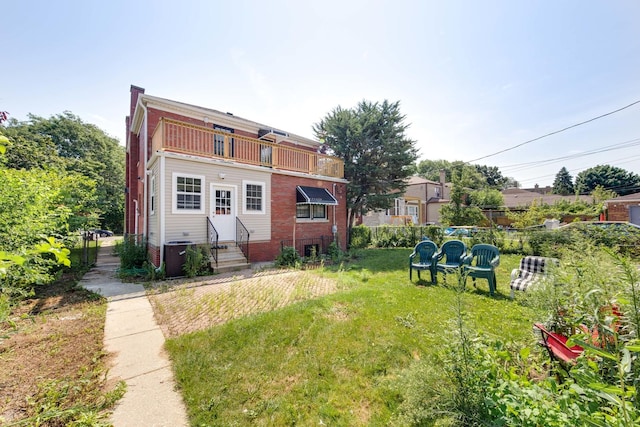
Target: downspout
(162,206)
(334,227)
(135,223)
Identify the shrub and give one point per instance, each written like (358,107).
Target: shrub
(288,257)
(196,261)
(132,253)
(548,243)
(360,237)
(386,236)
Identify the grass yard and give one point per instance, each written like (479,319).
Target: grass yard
(338,359)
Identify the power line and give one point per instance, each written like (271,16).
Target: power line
(527,165)
(555,132)
(611,163)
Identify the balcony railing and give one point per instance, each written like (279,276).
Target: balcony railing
(180,137)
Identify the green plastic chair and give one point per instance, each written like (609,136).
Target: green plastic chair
(481,263)
(450,256)
(424,252)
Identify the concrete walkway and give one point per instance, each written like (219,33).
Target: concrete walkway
(132,335)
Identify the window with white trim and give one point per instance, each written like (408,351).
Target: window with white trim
(188,193)
(308,211)
(254,197)
(152,195)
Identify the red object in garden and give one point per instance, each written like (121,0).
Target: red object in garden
(556,344)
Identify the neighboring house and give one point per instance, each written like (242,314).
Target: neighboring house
(624,208)
(207,177)
(419,204)
(519,200)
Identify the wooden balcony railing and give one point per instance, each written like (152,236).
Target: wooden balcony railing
(180,137)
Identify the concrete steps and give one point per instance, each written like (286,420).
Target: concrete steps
(230,258)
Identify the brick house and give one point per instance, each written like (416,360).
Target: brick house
(624,208)
(198,175)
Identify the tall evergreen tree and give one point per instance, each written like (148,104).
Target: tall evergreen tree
(610,178)
(378,156)
(563,183)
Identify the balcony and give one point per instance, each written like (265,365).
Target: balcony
(179,137)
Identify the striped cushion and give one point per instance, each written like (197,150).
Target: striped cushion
(532,269)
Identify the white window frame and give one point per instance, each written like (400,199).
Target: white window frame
(152,195)
(245,211)
(174,194)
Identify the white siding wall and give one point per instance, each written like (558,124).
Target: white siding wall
(153,224)
(183,226)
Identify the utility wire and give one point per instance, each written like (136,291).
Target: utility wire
(622,145)
(612,163)
(555,132)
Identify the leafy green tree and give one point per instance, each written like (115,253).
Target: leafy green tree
(600,194)
(609,177)
(29,150)
(430,169)
(512,183)
(487,198)
(65,142)
(29,209)
(378,156)
(459,211)
(493,177)
(563,183)
(36,203)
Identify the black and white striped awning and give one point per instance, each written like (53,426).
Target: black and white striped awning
(314,196)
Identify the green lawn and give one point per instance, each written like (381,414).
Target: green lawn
(336,360)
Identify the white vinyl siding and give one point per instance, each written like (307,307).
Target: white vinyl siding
(178,226)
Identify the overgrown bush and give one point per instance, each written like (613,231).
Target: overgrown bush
(132,252)
(386,236)
(196,261)
(360,237)
(288,257)
(548,242)
(491,236)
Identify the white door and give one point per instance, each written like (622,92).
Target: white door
(223,211)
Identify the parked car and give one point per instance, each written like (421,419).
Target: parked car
(103,233)
(460,231)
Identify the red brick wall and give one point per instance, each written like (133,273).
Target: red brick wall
(133,169)
(154,254)
(283,211)
(618,211)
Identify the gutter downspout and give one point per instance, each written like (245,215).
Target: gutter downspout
(135,225)
(334,227)
(162,206)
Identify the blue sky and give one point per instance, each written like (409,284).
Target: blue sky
(473,78)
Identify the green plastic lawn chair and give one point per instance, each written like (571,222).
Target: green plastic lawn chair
(422,259)
(481,263)
(449,257)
